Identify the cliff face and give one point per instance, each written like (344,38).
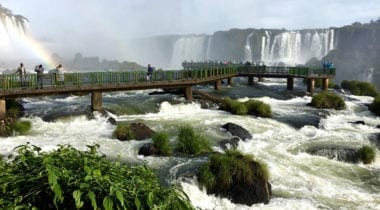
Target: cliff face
(355,49)
(357,55)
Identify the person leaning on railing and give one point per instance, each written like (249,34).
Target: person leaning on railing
(40,71)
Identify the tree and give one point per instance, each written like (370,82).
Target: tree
(18,21)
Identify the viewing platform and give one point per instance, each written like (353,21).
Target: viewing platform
(94,83)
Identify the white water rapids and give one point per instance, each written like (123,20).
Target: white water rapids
(299,180)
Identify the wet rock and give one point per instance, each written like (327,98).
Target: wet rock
(237,130)
(148,149)
(141,131)
(377,126)
(229,143)
(340,153)
(242,192)
(359,122)
(375,139)
(111,120)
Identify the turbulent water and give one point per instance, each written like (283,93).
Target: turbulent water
(299,180)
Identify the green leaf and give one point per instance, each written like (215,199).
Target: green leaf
(98,173)
(150,199)
(87,170)
(137,203)
(91,195)
(107,203)
(77,197)
(87,178)
(120,197)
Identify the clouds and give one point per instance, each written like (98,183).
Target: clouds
(96,26)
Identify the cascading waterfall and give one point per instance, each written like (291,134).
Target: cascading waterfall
(296,47)
(247,49)
(188,48)
(208,50)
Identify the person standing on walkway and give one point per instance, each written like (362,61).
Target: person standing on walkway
(149,73)
(40,71)
(21,71)
(60,75)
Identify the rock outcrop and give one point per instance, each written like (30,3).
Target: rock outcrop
(237,130)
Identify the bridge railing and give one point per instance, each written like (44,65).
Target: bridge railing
(284,71)
(108,78)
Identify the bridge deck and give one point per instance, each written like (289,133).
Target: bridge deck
(85,82)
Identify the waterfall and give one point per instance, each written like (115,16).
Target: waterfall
(296,47)
(208,50)
(265,46)
(247,49)
(189,48)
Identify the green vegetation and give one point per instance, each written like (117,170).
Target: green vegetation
(252,107)
(11,125)
(367,154)
(161,143)
(225,170)
(328,100)
(375,106)
(71,179)
(191,142)
(15,128)
(22,127)
(123,131)
(359,88)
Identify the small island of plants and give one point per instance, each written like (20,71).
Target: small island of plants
(359,88)
(328,100)
(252,107)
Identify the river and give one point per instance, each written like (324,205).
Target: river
(299,180)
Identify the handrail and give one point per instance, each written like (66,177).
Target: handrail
(80,79)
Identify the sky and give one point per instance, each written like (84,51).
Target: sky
(96,27)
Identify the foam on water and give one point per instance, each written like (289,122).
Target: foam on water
(299,180)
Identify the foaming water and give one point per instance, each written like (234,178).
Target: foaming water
(299,180)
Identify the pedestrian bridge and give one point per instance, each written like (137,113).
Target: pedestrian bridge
(192,74)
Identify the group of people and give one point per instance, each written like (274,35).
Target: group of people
(39,69)
(328,65)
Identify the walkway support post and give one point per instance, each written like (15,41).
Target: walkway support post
(229,81)
(3,110)
(250,80)
(261,79)
(290,83)
(325,83)
(310,85)
(188,93)
(96,101)
(218,84)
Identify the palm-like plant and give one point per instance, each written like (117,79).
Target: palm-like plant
(17,20)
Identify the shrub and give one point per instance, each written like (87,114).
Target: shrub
(71,179)
(367,154)
(22,127)
(14,108)
(258,108)
(252,107)
(359,88)
(375,106)
(192,143)
(161,142)
(328,100)
(239,108)
(225,170)
(123,131)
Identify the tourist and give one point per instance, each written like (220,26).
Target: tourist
(22,73)
(40,71)
(149,73)
(60,75)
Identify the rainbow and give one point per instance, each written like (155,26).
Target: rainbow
(32,46)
